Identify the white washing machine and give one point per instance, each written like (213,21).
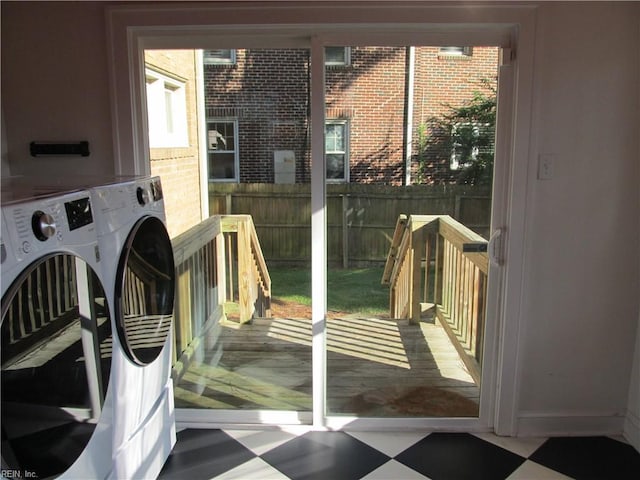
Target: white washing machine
(139,274)
(56,333)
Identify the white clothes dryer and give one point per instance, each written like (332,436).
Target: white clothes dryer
(139,277)
(56,333)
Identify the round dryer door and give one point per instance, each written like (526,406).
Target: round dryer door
(56,363)
(145,289)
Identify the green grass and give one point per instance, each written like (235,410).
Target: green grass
(349,290)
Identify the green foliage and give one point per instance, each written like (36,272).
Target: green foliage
(467,134)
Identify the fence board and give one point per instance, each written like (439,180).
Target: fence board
(360,218)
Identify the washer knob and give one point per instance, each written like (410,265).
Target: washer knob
(43,225)
(143,196)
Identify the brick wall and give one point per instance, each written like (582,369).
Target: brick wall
(178,168)
(267,91)
(443,81)
(371,94)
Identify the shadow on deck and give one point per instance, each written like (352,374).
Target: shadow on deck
(376,368)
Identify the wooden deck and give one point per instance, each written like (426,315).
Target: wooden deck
(376,367)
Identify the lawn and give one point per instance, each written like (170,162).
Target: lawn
(355,290)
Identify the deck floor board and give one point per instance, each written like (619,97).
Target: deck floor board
(267,365)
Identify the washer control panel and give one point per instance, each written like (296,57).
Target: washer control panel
(151,192)
(48,223)
(117,205)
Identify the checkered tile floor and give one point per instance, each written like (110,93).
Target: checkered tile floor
(299,454)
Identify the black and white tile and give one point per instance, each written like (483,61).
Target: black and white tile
(302,454)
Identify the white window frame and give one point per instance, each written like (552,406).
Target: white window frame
(220,60)
(347,58)
(166,111)
(455,163)
(453,51)
(347,141)
(235,150)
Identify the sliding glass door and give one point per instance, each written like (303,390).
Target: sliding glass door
(342,274)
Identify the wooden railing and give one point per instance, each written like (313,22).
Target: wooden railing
(436,260)
(44,303)
(253,281)
(217,261)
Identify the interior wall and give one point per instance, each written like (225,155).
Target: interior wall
(580,305)
(55,84)
(581,300)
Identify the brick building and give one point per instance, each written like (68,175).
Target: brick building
(173,133)
(257,109)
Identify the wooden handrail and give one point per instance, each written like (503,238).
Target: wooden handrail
(206,257)
(401,225)
(200,295)
(404,265)
(457,287)
(254,282)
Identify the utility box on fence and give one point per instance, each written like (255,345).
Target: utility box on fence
(284,166)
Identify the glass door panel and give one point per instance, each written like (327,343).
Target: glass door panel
(407,193)
(243,286)
(409,142)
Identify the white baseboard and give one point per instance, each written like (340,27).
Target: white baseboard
(632,430)
(554,424)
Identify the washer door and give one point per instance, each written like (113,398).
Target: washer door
(56,363)
(144,292)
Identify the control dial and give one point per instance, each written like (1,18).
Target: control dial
(143,196)
(43,225)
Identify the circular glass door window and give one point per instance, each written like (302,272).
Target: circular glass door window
(56,362)
(144,292)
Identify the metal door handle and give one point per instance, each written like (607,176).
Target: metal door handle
(495,247)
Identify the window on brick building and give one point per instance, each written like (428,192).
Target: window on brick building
(166,110)
(337,56)
(222,150)
(219,57)
(455,51)
(336,141)
(469,140)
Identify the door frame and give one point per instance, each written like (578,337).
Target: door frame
(132,29)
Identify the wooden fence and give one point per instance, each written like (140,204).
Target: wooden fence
(360,218)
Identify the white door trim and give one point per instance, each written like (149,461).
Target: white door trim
(131,29)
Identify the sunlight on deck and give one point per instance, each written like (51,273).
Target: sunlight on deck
(375,340)
(222,384)
(266,364)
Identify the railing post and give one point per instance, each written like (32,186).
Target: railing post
(221,274)
(428,250)
(417,241)
(244,272)
(229,251)
(437,281)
